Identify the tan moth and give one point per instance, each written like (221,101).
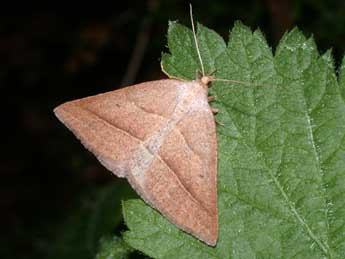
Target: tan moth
(161,136)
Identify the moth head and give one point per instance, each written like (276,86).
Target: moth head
(205,80)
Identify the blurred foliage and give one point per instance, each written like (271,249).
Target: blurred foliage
(98,215)
(48,57)
(113,248)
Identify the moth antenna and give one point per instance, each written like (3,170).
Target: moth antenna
(196,41)
(202,64)
(239,82)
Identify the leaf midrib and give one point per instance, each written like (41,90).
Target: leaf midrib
(304,224)
(290,204)
(325,248)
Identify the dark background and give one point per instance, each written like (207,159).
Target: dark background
(52,191)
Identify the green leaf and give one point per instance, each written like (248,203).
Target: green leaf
(281,167)
(113,248)
(342,78)
(183,61)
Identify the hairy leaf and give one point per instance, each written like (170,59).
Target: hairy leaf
(281,168)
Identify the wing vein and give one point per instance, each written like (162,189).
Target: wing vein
(154,155)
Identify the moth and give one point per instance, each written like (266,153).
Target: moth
(161,136)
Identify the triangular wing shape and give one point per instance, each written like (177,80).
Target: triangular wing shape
(161,136)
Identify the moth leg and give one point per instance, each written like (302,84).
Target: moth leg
(198,74)
(214,110)
(212,72)
(219,123)
(211,98)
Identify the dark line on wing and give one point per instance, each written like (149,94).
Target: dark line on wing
(112,124)
(155,155)
(182,184)
(147,111)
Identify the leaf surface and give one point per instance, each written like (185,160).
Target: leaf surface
(281,168)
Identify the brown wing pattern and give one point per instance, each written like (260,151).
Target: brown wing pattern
(113,124)
(180,179)
(184,178)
